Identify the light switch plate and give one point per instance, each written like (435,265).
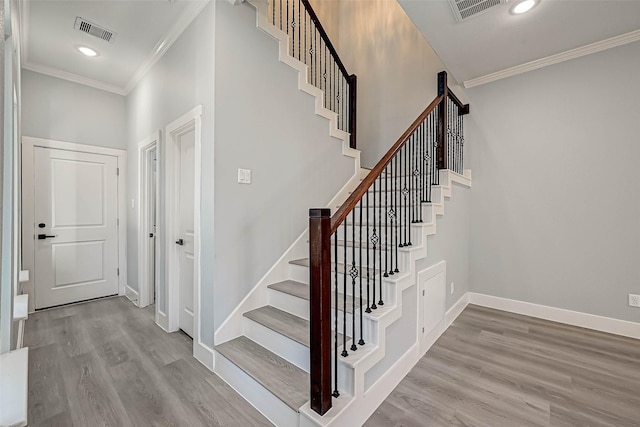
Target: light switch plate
(244,176)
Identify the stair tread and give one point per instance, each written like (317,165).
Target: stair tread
(285,380)
(289,325)
(301,290)
(304,262)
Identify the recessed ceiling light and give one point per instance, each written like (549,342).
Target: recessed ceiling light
(523,6)
(87,51)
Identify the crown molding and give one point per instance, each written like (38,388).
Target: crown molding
(175,31)
(75,78)
(24,10)
(612,42)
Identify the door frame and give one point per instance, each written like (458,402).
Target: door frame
(191,121)
(144,244)
(28,205)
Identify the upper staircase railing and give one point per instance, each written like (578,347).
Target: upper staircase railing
(353,251)
(310,44)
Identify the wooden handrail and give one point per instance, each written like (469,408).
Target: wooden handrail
(361,190)
(325,37)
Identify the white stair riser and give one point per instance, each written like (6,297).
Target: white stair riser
(277,343)
(262,399)
(289,303)
(403,257)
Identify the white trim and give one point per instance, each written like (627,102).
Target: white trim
(609,43)
(132,295)
(28,230)
(456,310)
(144,243)
(190,121)
(560,315)
(162,320)
(190,13)
(74,78)
(204,354)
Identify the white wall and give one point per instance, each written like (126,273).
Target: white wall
(555,202)
(180,81)
(396,68)
(266,124)
(58,109)
(451,242)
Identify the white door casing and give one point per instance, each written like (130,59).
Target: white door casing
(182,219)
(29,224)
(76,238)
(147,186)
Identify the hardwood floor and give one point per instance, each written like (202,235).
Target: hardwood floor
(105,363)
(493,368)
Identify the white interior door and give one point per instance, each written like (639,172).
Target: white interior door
(186,143)
(76,231)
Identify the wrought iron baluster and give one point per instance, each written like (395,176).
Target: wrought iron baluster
(335,393)
(354,274)
(368,309)
(363,269)
(344,297)
(396,197)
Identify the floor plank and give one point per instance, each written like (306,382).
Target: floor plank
(493,368)
(106,363)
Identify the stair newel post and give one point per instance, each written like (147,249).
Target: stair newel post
(443,89)
(320,308)
(353,101)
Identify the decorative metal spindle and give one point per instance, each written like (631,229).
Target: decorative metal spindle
(407,191)
(335,393)
(305,37)
(293,29)
(362,270)
(386,220)
(376,239)
(287,20)
(420,177)
(354,274)
(299,28)
(412,192)
(368,309)
(344,297)
(401,204)
(396,197)
(392,214)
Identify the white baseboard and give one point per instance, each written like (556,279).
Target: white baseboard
(132,294)
(204,354)
(162,320)
(560,315)
(456,309)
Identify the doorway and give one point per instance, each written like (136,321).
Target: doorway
(72,229)
(182,190)
(148,220)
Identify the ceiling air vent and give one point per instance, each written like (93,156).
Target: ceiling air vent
(90,28)
(465,9)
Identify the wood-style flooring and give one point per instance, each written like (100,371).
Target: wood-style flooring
(106,363)
(493,368)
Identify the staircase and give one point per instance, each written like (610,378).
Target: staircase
(264,351)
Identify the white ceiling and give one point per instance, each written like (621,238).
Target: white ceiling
(145,30)
(496,41)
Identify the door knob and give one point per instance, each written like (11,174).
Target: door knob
(44,236)
(180,242)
